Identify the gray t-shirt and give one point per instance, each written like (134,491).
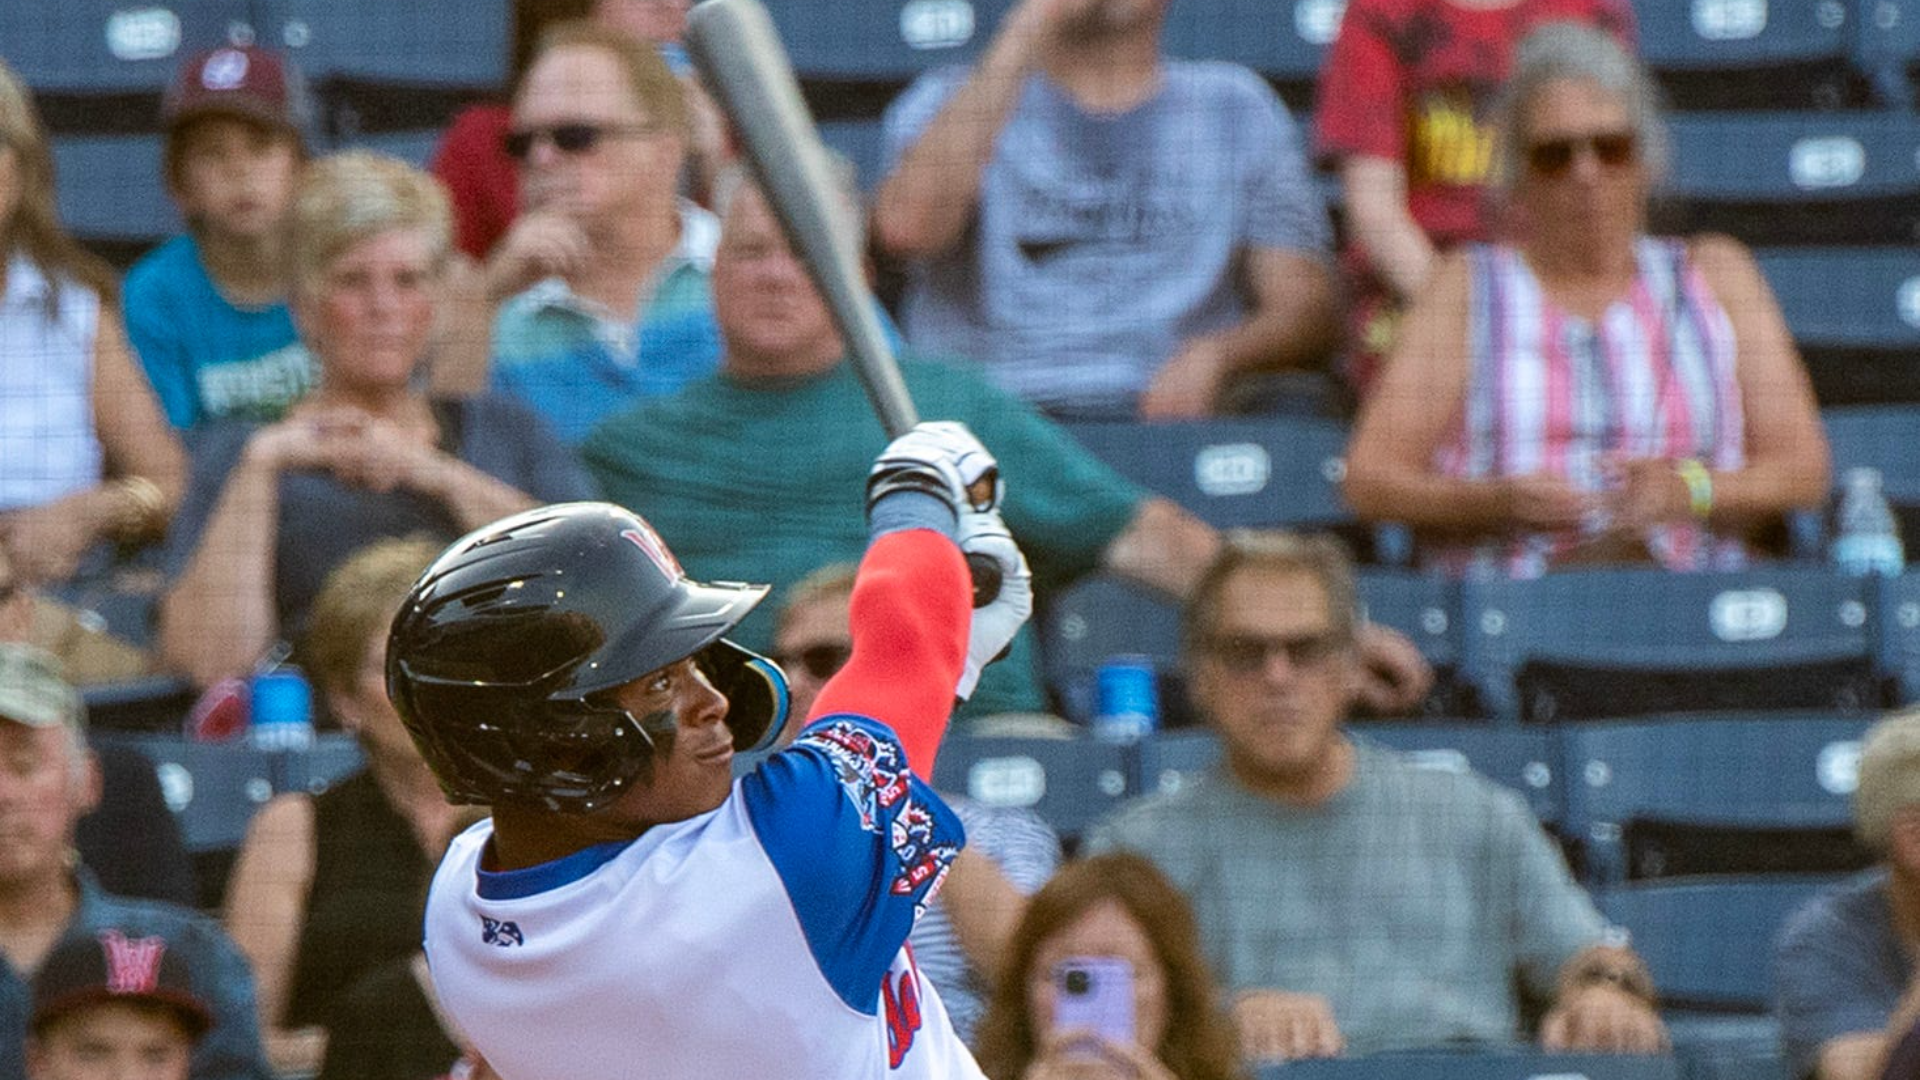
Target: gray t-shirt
(1839,968)
(1102,242)
(1412,900)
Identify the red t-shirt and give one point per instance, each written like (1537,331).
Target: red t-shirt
(479,176)
(1411,80)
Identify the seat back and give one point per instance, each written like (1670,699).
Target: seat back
(1095,621)
(1751,53)
(213,789)
(1709,944)
(887,42)
(1230,473)
(102,66)
(1069,783)
(1291,42)
(1855,314)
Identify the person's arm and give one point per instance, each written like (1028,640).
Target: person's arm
(1164,548)
(1604,1003)
(1396,247)
(925,204)
(1390,470)
(461,356)
(1010,853)
(1293,320)
(266,906)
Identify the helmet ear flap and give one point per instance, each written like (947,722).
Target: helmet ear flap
(756,688)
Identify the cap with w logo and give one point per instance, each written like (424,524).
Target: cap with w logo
(115,965)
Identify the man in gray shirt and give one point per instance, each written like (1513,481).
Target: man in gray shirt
(1353,902)
(1103,228)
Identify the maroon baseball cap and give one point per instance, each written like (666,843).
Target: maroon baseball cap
(239,80)
(115,965)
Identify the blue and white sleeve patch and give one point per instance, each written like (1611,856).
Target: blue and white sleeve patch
(858,841)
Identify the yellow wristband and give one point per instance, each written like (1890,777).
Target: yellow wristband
(1699,486)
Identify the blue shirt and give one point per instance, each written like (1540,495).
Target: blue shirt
(231,1049)
(1839,968)
(206,358)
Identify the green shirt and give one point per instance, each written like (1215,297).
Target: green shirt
(764,481)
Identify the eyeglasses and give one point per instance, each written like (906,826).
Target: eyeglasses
(1552,158)
(1245,654)
(577,137)
(820,662)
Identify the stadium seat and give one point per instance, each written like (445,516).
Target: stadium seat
(153,703)
(1887,47)
(1899,629)
(1070,783)
(1426,608)
(1488,1064)
(1855,313)
(1718,54)
(1617,642)
(332,758)
(111,193)
(1170,760)
(1285,41)
(212,788)
(1883,438)
(1700,795)
(1709,943)
(1799,178)
(101,66)
(1235,472)
(883,41)
(1096,620)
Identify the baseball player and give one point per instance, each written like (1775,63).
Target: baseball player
(630,910)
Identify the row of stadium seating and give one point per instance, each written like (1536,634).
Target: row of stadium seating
(1711,53)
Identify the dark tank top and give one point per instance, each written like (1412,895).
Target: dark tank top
(367,900)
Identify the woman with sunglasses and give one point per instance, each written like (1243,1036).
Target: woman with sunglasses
(1588,393)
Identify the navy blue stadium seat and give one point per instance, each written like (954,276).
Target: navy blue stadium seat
(882,41)
(110,189)
(1800,178)
(102,65)
(1170,760)
(1233,472)
(1899,629)
(1887,46)
(1886,438)
(1709,943)
(1752,53)
(1096,620)
(384,66)
(332,758)
(213,789)
(1070,783)
(1489,1064)
(1599,643)
(1855,314)
(1426,608)
(1285,40)
(152,703)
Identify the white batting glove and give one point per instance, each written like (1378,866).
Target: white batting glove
(939,458)
(985,535)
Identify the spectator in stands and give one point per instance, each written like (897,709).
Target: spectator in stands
(607,269)
(1403,114)
(86,458)
(959,941)
(1847,985)
(1102,229)
(273,509)
(1589,393)
(115,1005)
(329,887)
(87,652)
(1353,901)
(765,441)
(207,311)
(1110,906)
(46,894)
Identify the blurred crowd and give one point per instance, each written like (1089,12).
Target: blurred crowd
(257,438)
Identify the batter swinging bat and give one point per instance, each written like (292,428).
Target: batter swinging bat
(734,45)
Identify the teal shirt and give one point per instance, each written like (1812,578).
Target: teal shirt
(207,358)
(764,482)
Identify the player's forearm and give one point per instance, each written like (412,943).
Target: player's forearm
(910,613)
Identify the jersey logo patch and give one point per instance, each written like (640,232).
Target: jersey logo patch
(923,856)
(871,771)
(502,932)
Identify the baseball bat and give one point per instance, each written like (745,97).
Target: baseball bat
(737,51)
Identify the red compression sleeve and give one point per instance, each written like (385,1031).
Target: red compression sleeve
(911,613)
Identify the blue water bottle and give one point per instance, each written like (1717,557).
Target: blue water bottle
(280,704)
(1127,701)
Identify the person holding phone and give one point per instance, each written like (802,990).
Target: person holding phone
(1103,979)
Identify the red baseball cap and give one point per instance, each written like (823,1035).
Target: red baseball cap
(239,80)
(117,965)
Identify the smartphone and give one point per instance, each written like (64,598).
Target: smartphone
(1094,993)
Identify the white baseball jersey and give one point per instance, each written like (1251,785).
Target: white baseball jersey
(763,939)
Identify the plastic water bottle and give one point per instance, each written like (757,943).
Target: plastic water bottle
(281,707)
(1867,539)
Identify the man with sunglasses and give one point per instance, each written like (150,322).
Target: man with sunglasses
(1354,902)
(604,275)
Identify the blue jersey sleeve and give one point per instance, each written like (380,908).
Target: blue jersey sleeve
(859,843)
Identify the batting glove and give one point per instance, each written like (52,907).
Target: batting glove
(939,458)
(983,535)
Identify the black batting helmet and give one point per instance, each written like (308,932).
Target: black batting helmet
(501,658)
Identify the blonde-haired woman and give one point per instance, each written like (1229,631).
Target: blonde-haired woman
(85,454)
(367,454)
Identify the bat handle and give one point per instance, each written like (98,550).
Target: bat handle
(985,571)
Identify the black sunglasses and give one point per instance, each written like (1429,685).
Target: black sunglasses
(572,138)
(1552,158)
(820,662)
(1248,653)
